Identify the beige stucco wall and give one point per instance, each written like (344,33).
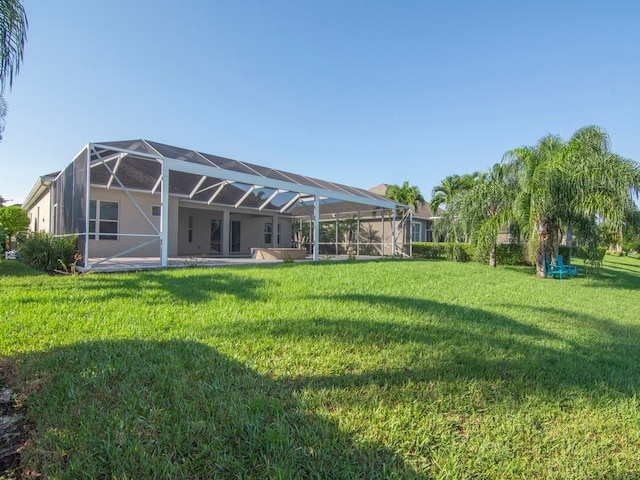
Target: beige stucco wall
(251,230)
(130,220)
(40,214)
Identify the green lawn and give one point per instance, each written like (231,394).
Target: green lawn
(382,369)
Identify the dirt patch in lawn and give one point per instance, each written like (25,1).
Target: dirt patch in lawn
(13,425)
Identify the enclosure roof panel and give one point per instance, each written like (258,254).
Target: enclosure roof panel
(111,159)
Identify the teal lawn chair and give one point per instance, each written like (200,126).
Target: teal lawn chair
(552,270)
(570,270)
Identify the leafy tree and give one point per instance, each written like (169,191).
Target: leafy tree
(487,207)
(13,35)
(406,194)
(444,194)
(14,220)
(2,201)
(573,183)
(450,193)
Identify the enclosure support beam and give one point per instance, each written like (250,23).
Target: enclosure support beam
(393,233)
(164,219)
(316,228)
(87,210)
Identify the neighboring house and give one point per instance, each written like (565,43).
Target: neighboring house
(422,219)
(140,198)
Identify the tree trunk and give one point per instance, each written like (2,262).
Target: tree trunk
(541,252)
(493,256)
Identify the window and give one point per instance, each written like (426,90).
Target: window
(429,232)
(268,233)
(415,231)
(103,220)
(156,211)
(278,234)
(215,235)
(190,230)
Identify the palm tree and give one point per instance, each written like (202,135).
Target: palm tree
(487,207)
(450,193)
(578,182)
(406,194)
(13,34)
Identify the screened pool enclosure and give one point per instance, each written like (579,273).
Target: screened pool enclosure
(140,198)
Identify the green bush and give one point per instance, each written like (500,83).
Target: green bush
(512,254)
(3,237)
(47,253)
(458,252)
(428,250)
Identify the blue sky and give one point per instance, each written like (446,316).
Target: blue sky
(352,91)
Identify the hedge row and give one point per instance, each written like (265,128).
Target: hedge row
(507,253)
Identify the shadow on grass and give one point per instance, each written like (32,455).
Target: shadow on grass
(178,409)
(158,287)
(15,268)
(474,344)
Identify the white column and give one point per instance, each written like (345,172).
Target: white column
(316,228)
(164,218)
(393,233)
(88,208)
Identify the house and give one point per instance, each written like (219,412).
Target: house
(139,198)
(422,218)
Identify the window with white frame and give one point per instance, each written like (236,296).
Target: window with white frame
(416,228)
(103,220)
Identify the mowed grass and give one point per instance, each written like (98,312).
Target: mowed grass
(383,369)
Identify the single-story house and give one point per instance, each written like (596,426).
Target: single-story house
(422,218)
(140,198)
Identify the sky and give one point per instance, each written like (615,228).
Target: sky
(351,91)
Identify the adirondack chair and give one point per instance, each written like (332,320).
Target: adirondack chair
(570,270)
(552,270)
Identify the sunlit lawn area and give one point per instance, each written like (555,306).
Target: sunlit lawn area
(382,369)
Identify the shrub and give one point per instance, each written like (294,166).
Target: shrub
(47,253)
(428,250)
(458,252)
(3,237)
(512,254)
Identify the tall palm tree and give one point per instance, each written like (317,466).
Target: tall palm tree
(406,194)
(487,207)
(577,182)
(13,35)
(449,194)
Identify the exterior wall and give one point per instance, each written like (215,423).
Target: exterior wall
(251,230)
(40,214)
(130,221)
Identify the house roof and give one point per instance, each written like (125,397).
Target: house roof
(211,179)
(423,211)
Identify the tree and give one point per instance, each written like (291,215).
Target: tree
(449,194)
(14,220)
(564,184)
(13,35)
(406,194)
(487,207)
